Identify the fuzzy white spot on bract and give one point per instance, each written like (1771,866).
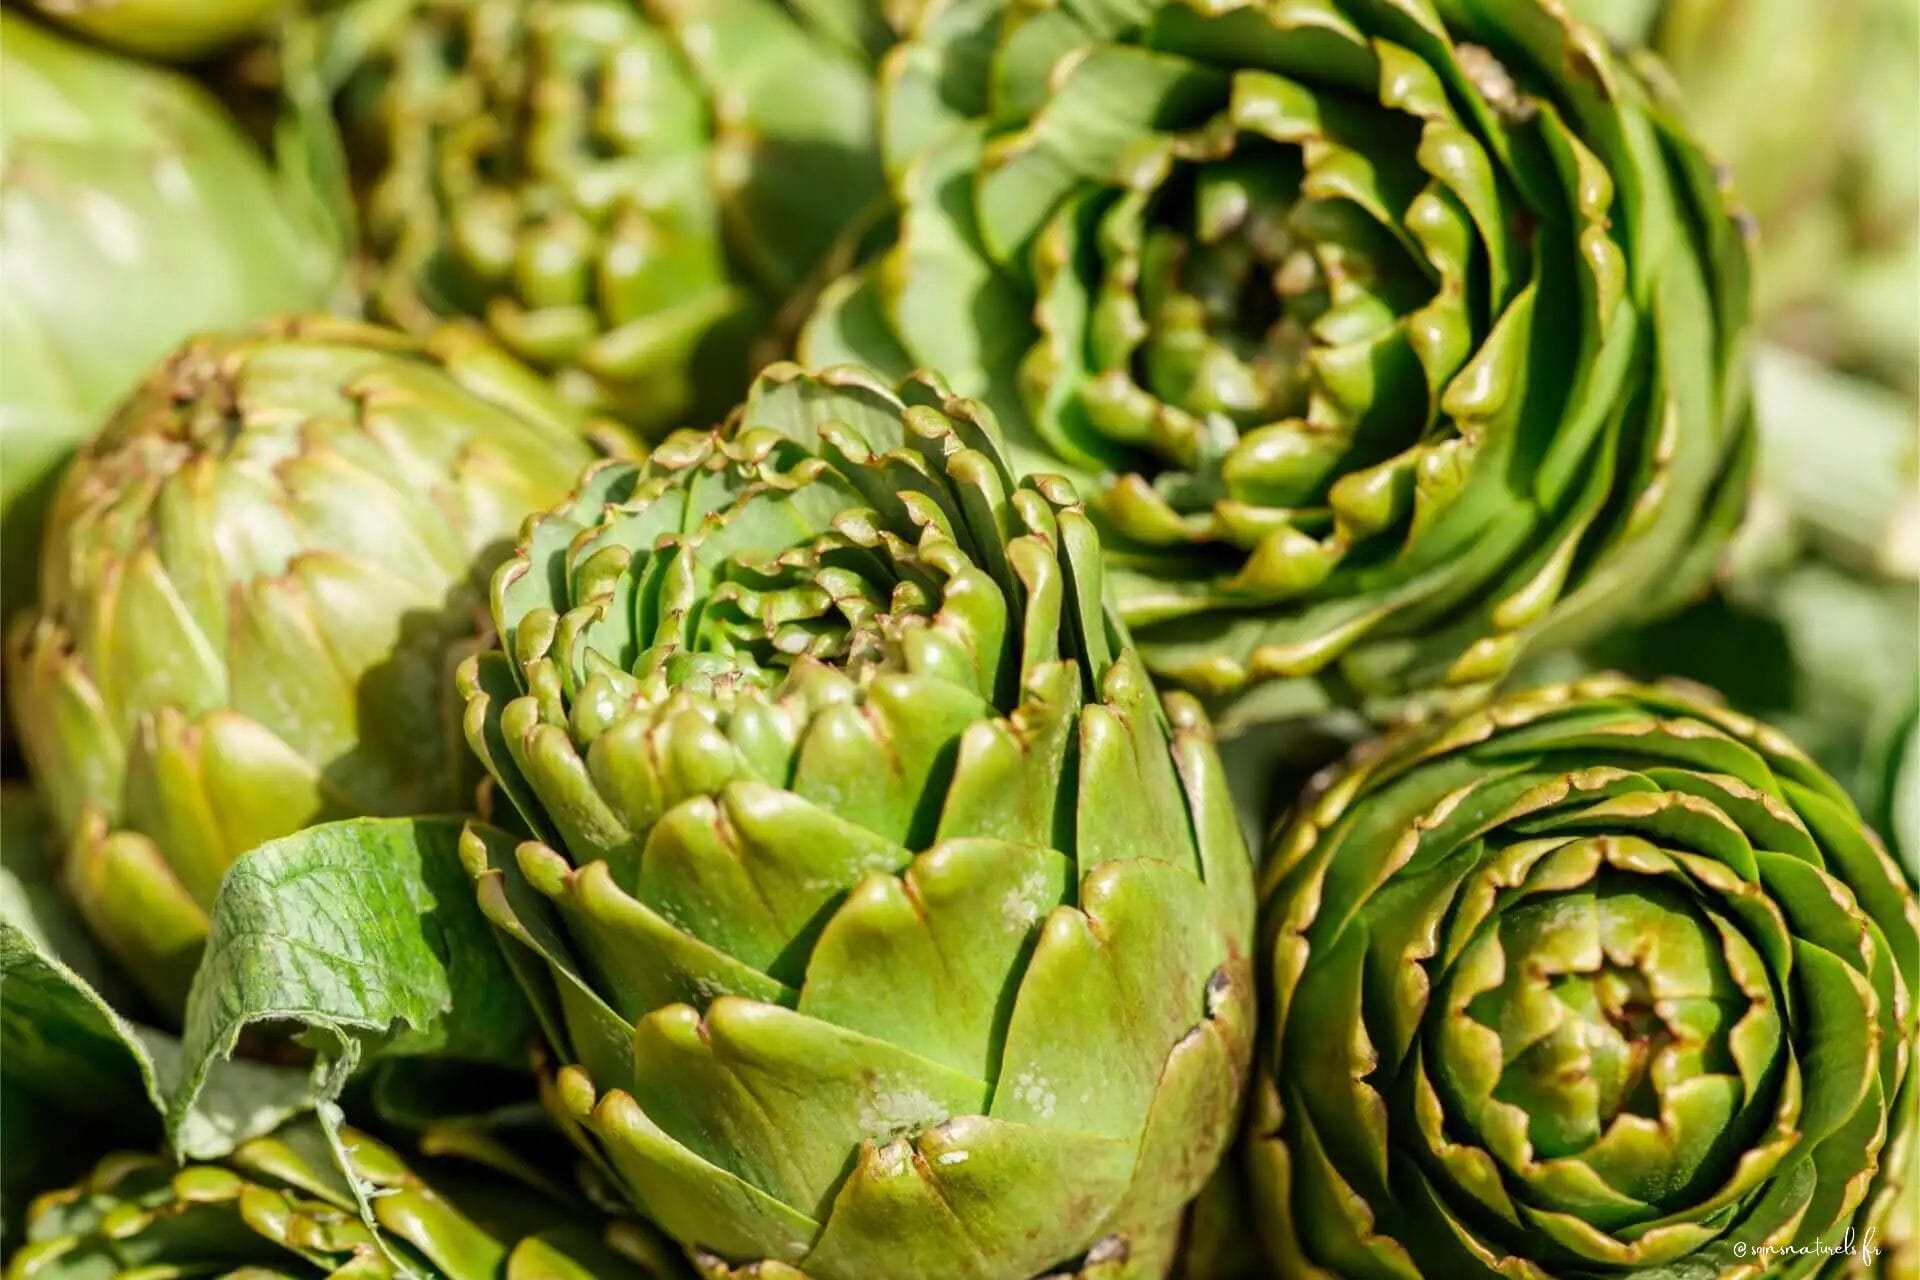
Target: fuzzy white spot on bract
(952,1157)
(1036,1092)
(1021,908)
(892,1109)
(633,70)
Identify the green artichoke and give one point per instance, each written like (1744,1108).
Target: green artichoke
(175,30)
(1386,339)
(255,586)
(132,214)
(279,1207)
(889,922)
(624,193)
(1821,145)
(1600,980)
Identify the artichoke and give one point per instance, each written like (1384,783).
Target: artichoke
(888,923)
(1622,985)
(279,1207)
(132,214)
(624,194)
(255,585)
(1386,339)
(176,30)
(1821,146)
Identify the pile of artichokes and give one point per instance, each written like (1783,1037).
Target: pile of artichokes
(958,640)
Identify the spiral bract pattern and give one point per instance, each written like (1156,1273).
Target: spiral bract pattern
(1386,340)
(1625,988)
(891,923)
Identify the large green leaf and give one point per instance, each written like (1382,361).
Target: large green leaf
(363,937)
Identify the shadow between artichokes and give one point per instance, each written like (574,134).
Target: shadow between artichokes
(891,924)
(1387,338)
(1624,987)
(255,585)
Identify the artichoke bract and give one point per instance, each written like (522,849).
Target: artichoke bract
(1386,340)
(279,1207)
(133,213)
(624,193)
(255,586)
(177,30)
(1623,986)
(891,925)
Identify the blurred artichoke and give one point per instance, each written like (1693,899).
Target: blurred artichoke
(176,30)
(255,585)
(624,193)
(279,1207)
(1813,106)
(1621,983)
(893,926)
(1386,340)
(132,214)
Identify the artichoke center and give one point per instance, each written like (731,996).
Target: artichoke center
(795,572)
(1595,1013)
(1615,1012)
(1252,328)
(1230,290)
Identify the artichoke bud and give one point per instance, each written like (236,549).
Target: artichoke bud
(253,586)
(614,189)
(1284,257)
(1631,988)
(137,214)
(879,825)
